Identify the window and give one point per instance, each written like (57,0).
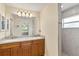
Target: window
(71,22)
(4,24)
(25,29)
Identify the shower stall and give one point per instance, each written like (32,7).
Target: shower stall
(70,31)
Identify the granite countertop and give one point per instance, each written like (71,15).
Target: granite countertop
(19,39)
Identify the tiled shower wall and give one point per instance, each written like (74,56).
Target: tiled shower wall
(70,36)
(70,44)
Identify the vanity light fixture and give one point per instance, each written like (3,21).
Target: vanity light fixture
(24,13)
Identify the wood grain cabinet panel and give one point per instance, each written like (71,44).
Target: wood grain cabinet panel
(5,52)
(38,48)
(14,51)
(20,52)
(0,52)
(9,45)
(26,48)
(9,49)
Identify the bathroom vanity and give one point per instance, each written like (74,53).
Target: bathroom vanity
(29,46)
(20,36)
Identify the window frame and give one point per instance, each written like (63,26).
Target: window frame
(70,22)
(6,23)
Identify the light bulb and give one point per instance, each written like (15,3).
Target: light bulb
(27,14)
(23,14)
(62,7)
(19,13)
(31,15)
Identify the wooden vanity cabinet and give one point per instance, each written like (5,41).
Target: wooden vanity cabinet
(26,48)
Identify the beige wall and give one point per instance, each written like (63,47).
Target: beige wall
(49,28)
(2,13)
(2,9)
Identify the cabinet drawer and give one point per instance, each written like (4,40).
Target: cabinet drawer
(9,45)
(26,44)
(38,41)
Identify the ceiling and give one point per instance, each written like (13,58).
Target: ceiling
(66,6)
(39,6)
(28,6)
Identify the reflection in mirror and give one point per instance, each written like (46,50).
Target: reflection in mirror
(22,26)
(4,24)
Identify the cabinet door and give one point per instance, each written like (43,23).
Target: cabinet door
(26,48)
(0,52)
(9,49)
(38,47)
(20,52)
(14,49)
(5,52)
